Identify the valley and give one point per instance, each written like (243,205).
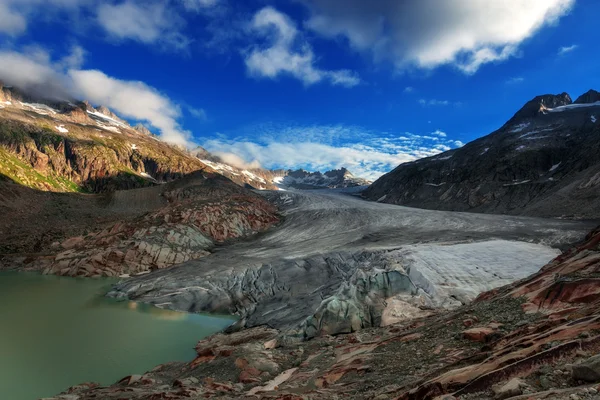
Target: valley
(325,276)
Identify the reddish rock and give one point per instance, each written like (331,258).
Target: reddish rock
(481,335)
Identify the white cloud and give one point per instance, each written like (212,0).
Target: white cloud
(199,5)
(148,23)
(367,154)
(35,72)
(11,22)
(515,80)
(430,33)
(439,133)
(566,49)
(14,14)
(198,113)
(288,53)
(75,59)
(236,161)
(409,89)
(131,99)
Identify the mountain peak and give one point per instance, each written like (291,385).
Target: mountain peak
(591,96)
(141,128)
(538,104)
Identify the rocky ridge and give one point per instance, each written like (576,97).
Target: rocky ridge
(280,179)
(543,162)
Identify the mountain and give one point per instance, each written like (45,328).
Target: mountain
(334,179)
(147,204)
(72,146)
(545,161)
(265,179)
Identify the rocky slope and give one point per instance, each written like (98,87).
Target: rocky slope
(129,231)
(68,147)
(533,339)
(544,162)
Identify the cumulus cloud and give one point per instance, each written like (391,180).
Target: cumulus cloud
(566,49)
(154,22)
(14,14)
(409,89)
(430,33)
(132,99)
(287,53)
(327,147)
(35,72)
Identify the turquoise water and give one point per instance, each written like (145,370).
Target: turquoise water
(57,332)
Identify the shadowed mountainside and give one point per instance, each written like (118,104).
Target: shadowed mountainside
(545,161)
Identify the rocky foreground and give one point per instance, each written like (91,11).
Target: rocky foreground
(537,338)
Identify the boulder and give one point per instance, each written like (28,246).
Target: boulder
(481,335)
(588,371)
(513,387)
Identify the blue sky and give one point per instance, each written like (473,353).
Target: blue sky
(316,84)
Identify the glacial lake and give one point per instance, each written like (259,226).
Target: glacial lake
(56,332)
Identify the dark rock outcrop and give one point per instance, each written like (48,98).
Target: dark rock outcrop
(591,96)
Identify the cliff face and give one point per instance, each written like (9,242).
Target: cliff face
(74,147)
(543,162)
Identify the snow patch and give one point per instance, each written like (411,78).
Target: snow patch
(593,119)
(108,128)
(39,108)
(573,106)
(435,184)
(61,128)
(536,131)
(484,151)
(517,183)
(253,177)
(554,167)
(220,167)
(107,119)
(521,147)
(520,127)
